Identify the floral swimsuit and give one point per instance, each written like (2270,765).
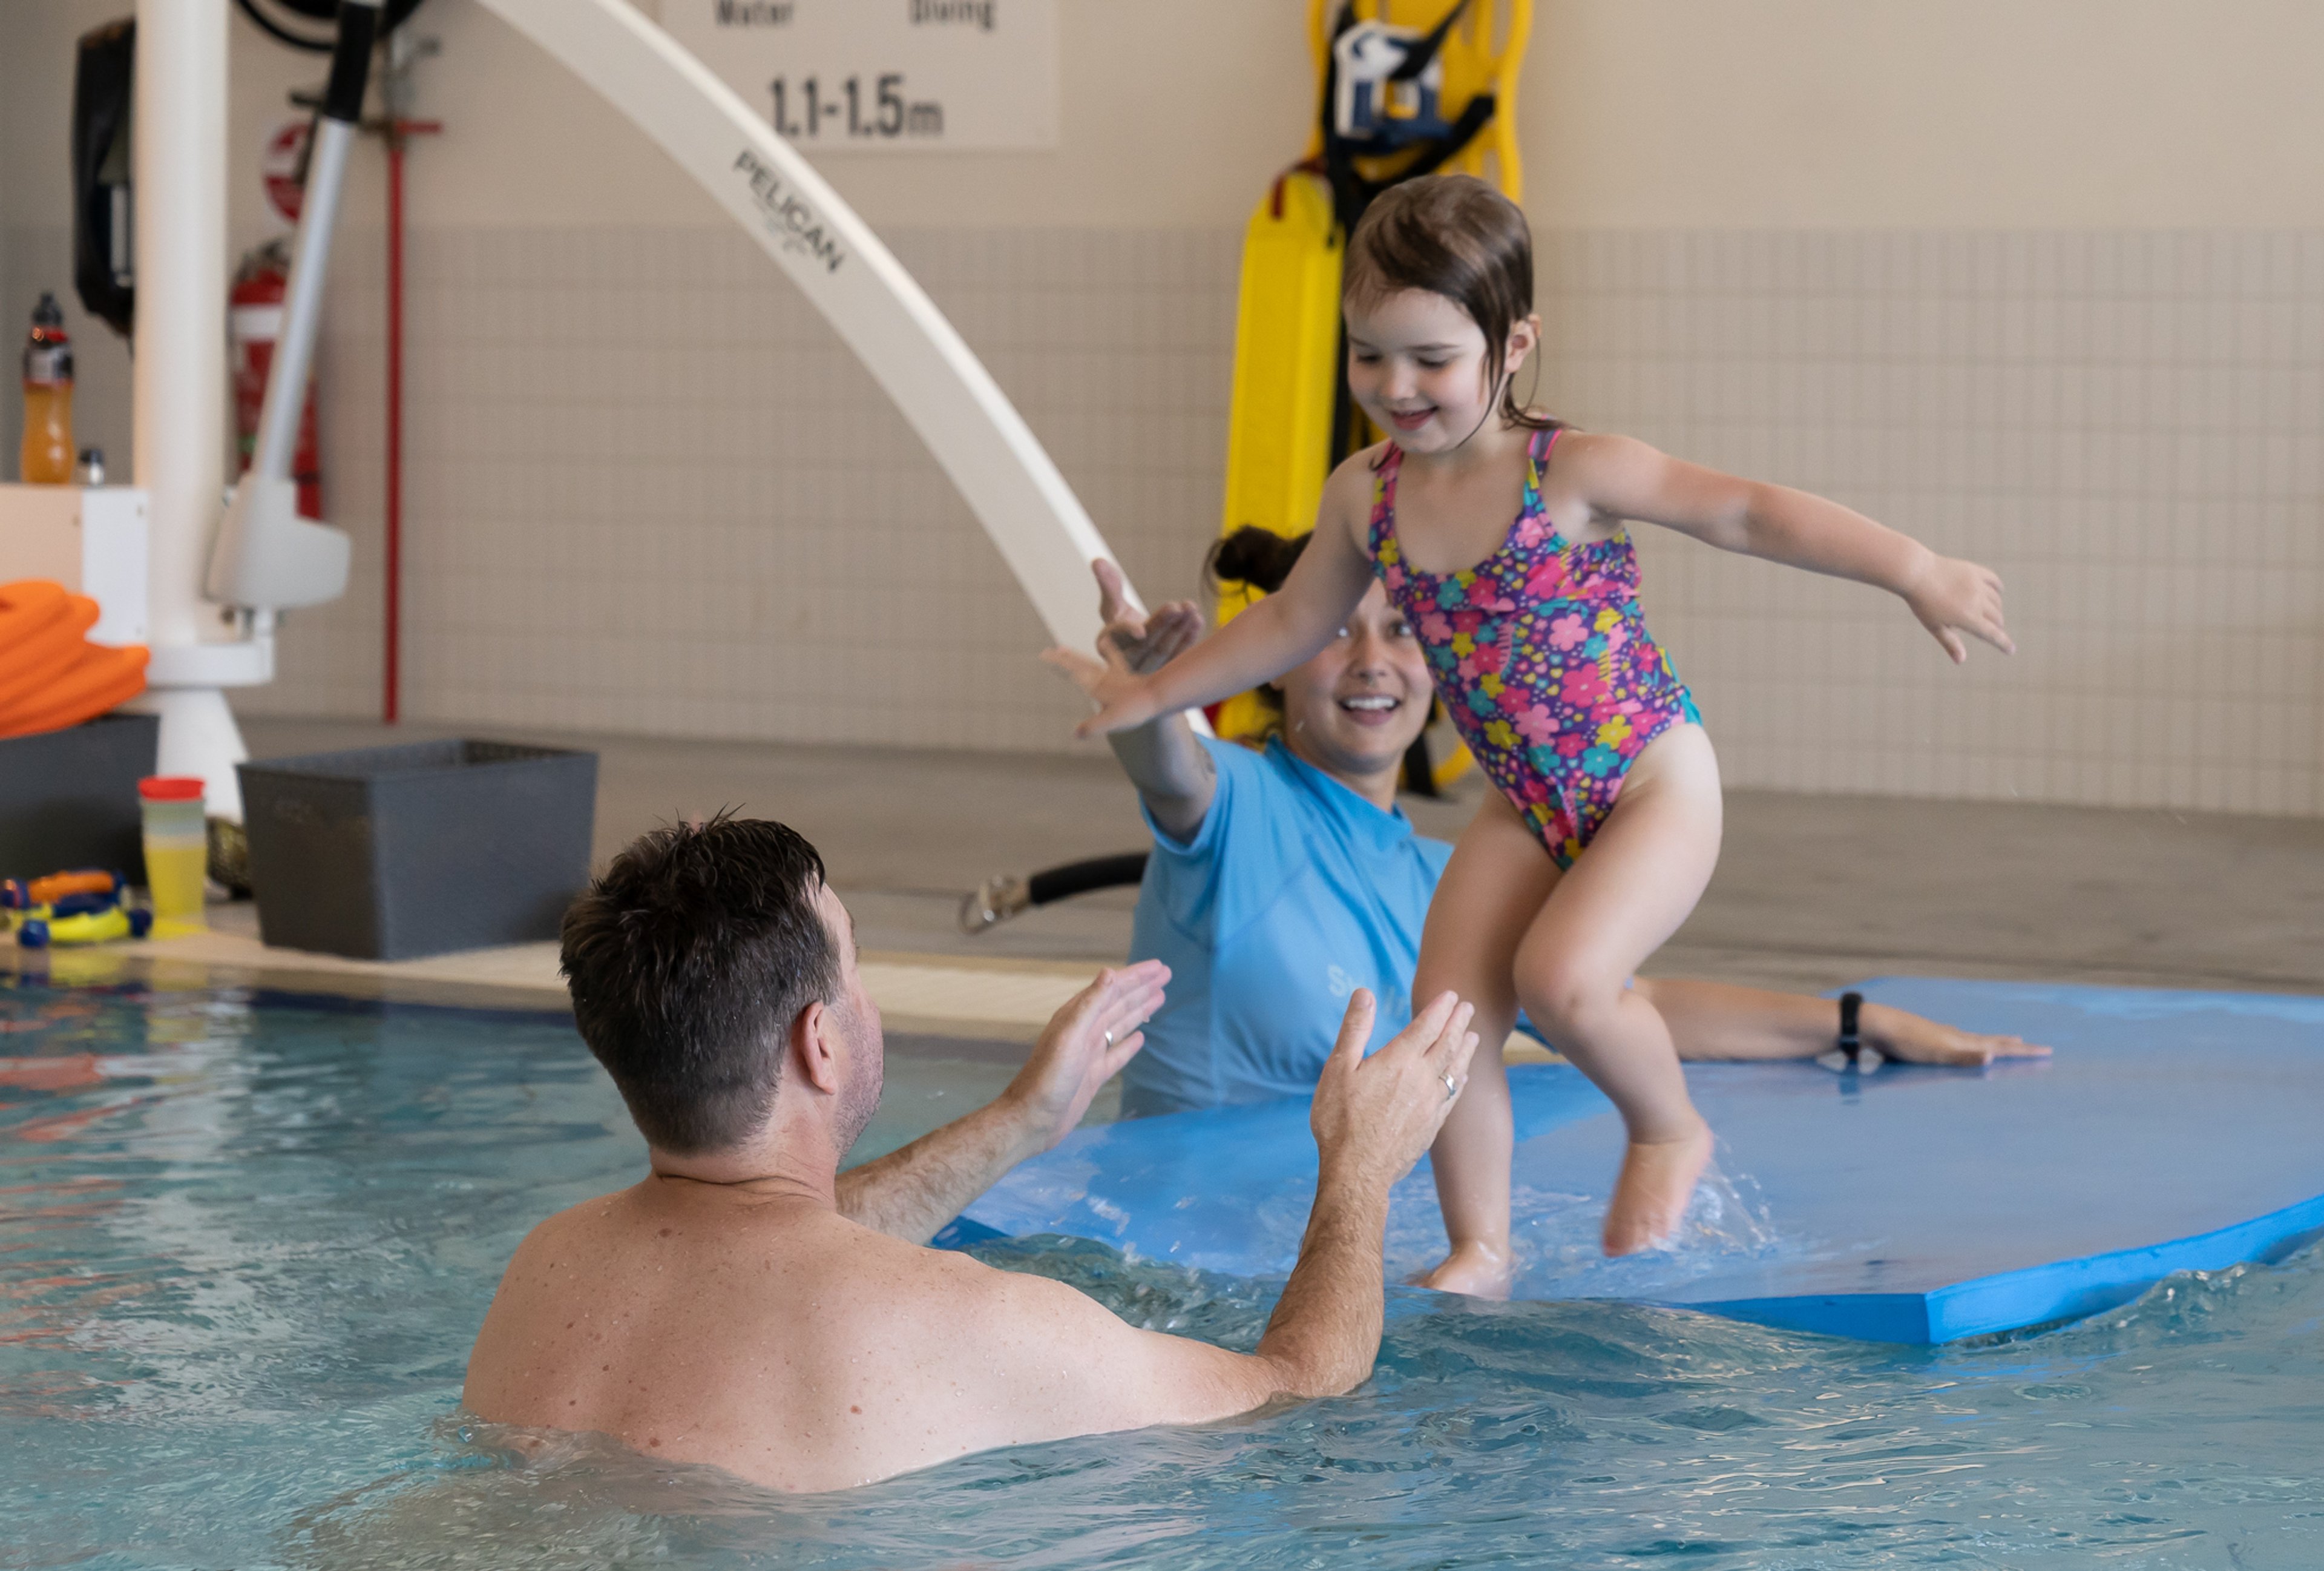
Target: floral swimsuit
(1542,655)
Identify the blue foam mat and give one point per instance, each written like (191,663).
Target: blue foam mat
(2173,1131)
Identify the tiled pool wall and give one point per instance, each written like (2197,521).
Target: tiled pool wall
(648,490)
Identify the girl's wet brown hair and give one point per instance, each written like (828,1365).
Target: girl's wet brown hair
(1452,234)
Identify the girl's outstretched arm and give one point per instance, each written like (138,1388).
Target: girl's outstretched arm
(1283,630)
(1622,477)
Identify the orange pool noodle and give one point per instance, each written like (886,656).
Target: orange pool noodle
(42,658)
(51,676)
(99,680)
(27,607)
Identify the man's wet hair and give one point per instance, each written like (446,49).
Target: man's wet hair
(689,961)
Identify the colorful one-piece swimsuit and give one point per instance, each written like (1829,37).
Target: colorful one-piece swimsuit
(1542,656)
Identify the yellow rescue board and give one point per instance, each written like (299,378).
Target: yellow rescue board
(1480,55)
(1286,360)
(1287,323)
(1286,354)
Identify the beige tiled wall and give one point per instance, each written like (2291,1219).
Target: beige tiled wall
(649,491)
(2129,426)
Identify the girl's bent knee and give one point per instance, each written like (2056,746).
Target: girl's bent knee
(1561,994)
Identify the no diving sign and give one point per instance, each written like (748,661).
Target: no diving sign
(884,76)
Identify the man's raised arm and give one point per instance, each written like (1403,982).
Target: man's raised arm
(1081,1370)
(1372,1118)
(911,1192)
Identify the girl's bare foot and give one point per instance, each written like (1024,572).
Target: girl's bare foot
(1478,1269)
(1650,1197)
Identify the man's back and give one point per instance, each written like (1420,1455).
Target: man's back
(772,1337)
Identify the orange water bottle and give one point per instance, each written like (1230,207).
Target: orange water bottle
(47,456)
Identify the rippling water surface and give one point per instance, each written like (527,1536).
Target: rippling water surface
(244,1250)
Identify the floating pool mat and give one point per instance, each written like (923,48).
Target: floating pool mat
(2172,1132)
(1403,87)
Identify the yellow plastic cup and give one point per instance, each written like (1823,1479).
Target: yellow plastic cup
(177,851)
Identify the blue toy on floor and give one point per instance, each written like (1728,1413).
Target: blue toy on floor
(2172,1132)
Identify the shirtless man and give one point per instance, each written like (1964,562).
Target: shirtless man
(747,1306)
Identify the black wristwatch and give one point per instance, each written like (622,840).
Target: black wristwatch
(1852,1044)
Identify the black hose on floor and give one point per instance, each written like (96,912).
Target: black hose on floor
(1074,878)
(1006,894)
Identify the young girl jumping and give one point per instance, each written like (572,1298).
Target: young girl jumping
(1500,533)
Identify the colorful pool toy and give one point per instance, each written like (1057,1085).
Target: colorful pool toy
(17,894)
(49,927)
(83,906)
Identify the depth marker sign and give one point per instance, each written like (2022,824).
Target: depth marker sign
(884,76)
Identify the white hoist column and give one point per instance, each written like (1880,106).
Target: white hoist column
(179,166)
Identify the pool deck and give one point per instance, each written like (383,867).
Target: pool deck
(1812,891)
(994,997)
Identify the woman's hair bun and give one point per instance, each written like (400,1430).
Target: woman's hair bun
(1254,559)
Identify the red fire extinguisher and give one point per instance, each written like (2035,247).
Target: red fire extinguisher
(254,322)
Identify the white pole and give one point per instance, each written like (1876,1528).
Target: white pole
(276,449)
(178,165)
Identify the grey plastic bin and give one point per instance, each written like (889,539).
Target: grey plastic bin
(68,799)
(391,853)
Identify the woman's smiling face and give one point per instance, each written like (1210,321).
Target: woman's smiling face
(1355,708)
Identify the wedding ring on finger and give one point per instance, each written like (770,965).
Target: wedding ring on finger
(1109,1038)
(1451,1088)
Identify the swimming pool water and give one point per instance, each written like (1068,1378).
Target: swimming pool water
(244,1246)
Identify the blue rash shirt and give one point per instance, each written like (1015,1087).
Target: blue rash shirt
(1292,894)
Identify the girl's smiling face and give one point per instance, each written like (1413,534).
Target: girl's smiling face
(1416,364)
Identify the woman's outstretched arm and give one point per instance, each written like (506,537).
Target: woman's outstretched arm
(1163,758)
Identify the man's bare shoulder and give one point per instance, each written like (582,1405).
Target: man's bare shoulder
(714,1277)
(633,1227)
(569,1239)
(565,1260)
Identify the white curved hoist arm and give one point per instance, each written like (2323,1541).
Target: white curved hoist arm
(894,328)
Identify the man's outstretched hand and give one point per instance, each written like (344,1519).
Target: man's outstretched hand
(1084,1045)
(1373,1117)
(912,1191)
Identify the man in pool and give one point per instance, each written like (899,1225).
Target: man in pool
(748,1305)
